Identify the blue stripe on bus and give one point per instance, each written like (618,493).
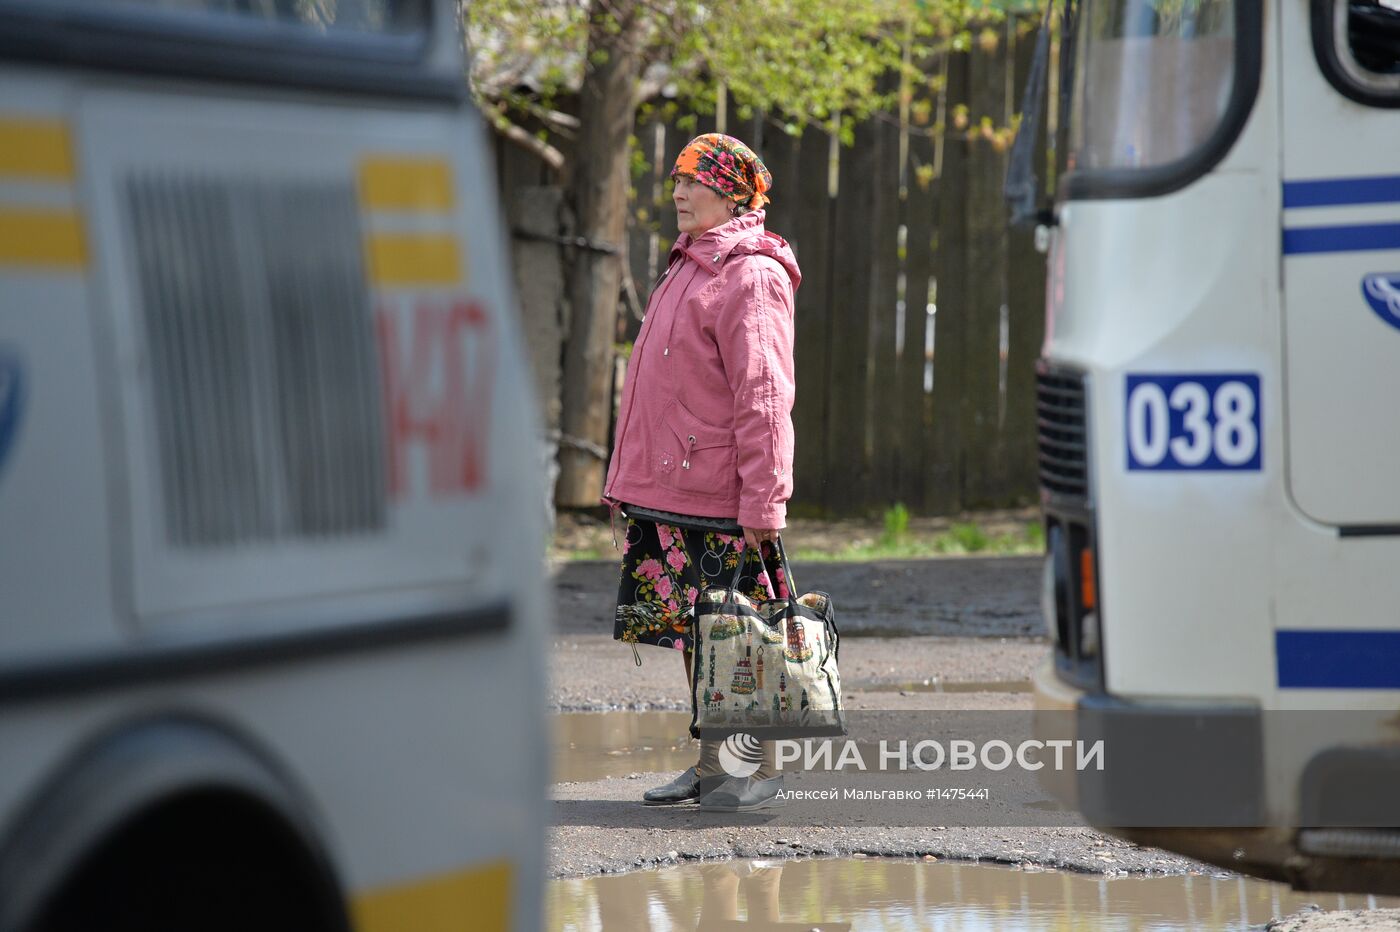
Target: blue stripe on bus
(1303,240)
(1333,192)
(1338,659)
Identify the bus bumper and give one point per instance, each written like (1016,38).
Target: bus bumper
(1221,818)
(1165,764)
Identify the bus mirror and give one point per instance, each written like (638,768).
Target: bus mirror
(1022,191)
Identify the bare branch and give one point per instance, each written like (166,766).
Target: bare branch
(547,153)
(560,122)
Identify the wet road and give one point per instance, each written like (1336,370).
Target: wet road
(892,896)
(917,635)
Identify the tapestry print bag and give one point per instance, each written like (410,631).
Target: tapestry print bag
(765,668)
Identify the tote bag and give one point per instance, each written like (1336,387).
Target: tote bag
(765,667)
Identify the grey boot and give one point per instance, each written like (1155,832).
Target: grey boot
(744,794)
(682,789)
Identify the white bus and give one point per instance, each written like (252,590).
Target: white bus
(271,522)
(1217,415)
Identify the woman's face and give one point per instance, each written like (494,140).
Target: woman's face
(698,208)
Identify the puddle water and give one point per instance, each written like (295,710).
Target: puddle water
(834,896)
(939,686)
(595,745)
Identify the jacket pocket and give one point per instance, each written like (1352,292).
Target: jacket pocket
(695,456)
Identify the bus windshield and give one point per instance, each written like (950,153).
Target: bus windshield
(329,17)
(1152,80)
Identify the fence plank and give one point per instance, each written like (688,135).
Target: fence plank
(986,237)
(517,169)
(884,403)
(1026,298)
(811,240)
(641,222)
(945,451)
(780,154)
(921,214)
(848,452)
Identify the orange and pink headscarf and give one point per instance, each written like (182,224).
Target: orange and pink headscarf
(726,166)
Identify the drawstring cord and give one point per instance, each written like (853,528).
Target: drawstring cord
(613,509)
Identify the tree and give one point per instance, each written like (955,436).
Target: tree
(801,61)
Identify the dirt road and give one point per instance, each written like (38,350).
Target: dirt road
(932,634)
(966,626)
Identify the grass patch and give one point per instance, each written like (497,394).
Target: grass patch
(895,537)
(963,538)
(897,542)
(896,525)
(1035,535)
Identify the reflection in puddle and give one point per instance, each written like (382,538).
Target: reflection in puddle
(595,745)
(940,686)
(797,896)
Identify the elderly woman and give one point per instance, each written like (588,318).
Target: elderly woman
(702,461)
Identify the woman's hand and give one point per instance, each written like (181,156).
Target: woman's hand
(755,536)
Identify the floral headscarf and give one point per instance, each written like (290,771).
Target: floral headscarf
(726,166)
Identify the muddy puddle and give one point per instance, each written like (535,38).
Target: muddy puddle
(834,896)
(597,745)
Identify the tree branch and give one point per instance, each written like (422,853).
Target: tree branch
(565,123)
(530,143)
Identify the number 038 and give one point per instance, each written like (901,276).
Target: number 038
(1185,422)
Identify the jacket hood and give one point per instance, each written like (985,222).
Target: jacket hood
(742,236)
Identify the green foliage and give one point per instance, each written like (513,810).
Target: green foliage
(899,542)
(830,62)
(896,524)
(964,538)
(1035,536)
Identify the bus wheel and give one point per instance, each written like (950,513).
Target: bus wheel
(212,860)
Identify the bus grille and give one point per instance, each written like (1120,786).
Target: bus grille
(263,374)
(1061,433)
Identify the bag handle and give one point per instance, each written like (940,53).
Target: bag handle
(787,566)
(763,568)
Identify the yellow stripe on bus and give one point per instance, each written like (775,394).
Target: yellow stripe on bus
(35,149)
(475,900)
(407,184)
(42,237)
(408,259)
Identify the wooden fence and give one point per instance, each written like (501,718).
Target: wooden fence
(920,314)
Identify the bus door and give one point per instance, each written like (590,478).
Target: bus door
(1341,260)
(1336,643)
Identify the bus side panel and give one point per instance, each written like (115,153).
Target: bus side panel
(55,532)
(1341,258)
(1337,591)
(427,763)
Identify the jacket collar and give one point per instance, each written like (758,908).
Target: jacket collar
(712,247)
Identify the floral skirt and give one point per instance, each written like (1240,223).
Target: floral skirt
(664,567)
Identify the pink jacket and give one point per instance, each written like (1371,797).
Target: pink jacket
(705,425)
